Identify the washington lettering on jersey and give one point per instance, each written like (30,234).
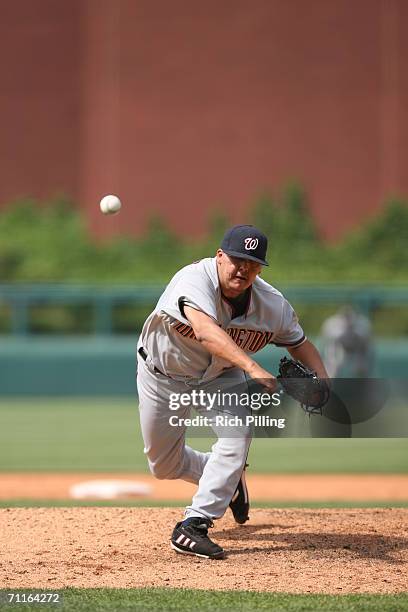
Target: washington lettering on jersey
(247,339)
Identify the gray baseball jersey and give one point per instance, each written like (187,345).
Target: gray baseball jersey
(168,338)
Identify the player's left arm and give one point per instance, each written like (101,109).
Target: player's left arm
(308,354)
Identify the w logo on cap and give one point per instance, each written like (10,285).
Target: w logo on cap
(251,244)
(246,242)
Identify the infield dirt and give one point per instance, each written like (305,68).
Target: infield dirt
(263,487)
(282,550)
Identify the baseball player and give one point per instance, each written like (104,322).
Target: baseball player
(347,347)
(212,317)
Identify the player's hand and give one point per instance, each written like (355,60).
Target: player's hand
(264,377)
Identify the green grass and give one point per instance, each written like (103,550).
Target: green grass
(104,435)
(163,599)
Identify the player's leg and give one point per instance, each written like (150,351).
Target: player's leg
(223,470)
(168,455)
(220,478)
(219,481)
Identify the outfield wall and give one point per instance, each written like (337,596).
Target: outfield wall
(103,366)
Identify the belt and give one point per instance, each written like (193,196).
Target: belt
(143,355)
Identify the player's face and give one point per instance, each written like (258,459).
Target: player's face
(236,274)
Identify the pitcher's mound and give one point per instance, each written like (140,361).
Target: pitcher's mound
(290,550)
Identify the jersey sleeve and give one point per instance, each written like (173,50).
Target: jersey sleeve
(290,333)
(191,290)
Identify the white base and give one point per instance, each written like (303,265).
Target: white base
(109,489)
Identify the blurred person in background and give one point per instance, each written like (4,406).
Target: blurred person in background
(347,346)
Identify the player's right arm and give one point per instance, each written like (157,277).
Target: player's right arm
(218,343)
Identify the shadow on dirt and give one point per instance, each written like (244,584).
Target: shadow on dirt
(363,545)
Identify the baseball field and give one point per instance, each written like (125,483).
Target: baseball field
(328,528)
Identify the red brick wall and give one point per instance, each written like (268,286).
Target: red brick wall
(182,106)
(39,98)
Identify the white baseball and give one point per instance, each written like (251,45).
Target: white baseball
(110,204)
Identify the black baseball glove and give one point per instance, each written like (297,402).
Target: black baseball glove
(303,385)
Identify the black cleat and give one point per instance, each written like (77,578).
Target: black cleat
(239,503)
(192,539)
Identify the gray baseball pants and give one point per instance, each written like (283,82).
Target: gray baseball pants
(217,473)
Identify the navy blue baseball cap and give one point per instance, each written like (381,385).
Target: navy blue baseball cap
(246,242)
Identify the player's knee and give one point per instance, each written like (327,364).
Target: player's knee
(162,471)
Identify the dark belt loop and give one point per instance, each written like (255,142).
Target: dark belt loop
(143,355)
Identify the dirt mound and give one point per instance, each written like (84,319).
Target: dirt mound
(290,550)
